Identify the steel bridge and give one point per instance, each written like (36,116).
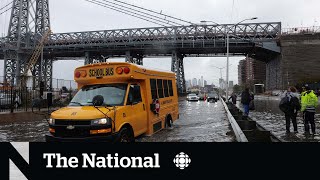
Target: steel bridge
(258,40)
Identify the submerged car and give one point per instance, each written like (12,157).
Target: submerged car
(192,97)
(212,97)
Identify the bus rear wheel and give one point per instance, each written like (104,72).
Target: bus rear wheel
(126,135)
(169,123)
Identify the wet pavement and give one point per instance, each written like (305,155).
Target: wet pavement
(199,122)
(268,114)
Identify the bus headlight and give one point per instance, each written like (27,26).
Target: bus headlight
(52,121)
(103,121)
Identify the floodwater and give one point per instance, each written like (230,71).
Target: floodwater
(199,122)
(268,114)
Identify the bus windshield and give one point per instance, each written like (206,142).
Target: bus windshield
(113,94)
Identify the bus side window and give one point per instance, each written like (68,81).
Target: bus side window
(160,88)
(170,87)
(166,88)
(154,91)
(134,96)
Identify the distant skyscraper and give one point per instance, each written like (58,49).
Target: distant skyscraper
(205,83)
(202,82)
(199,82)
(194,82)
(222,83)
(230,84)
(189,84)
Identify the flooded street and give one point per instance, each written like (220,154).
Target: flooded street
(268,114)
(199,122)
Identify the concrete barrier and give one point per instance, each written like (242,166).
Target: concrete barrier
(240,136)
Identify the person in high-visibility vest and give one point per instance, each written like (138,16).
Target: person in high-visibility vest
(309,103)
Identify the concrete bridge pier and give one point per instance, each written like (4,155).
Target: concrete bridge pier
(274,73)
(297,64)
(178,68)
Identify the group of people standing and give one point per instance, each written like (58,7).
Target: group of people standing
(307,103)
(291,104)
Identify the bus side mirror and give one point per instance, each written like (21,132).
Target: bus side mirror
(98,100)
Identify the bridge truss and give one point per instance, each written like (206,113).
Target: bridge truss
(133,44)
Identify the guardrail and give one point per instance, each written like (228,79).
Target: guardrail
(245,126)
(240,136)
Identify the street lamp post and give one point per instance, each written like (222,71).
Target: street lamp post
(220,68)
(228,49)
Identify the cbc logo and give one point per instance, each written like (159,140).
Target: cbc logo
(182,160)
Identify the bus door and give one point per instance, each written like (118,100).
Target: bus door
(137,109)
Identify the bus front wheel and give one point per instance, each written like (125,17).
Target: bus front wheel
(126,135)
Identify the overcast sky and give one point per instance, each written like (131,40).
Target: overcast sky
(79,15)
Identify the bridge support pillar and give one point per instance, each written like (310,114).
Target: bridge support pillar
(178,68)
(87,60)
(274,74)
(93,59)
(12,67)
(135,59)
(42,72)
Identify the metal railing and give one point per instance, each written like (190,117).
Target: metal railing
(14,99)
(250,31)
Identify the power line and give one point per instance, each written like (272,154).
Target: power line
(5,11)
(144,13)
(125,10)
(155,12)
(6,5)
(130,14)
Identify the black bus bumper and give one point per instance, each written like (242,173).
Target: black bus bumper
(106,138)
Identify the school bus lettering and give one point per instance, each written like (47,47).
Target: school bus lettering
(167,102)
(116,102)
(101,72)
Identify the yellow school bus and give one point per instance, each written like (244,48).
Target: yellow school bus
(116,102)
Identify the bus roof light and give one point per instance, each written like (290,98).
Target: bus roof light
(126,70)
(77,74)
(119,70)
(84,74)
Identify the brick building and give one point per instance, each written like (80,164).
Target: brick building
(251,72)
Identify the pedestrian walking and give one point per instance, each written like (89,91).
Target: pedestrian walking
(233,97)
(245,100)
(290,105)
(309,103)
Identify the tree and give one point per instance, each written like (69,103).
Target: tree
(237,88)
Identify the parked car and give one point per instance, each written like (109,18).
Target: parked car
(5,100)
(192,97)
(212,97)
